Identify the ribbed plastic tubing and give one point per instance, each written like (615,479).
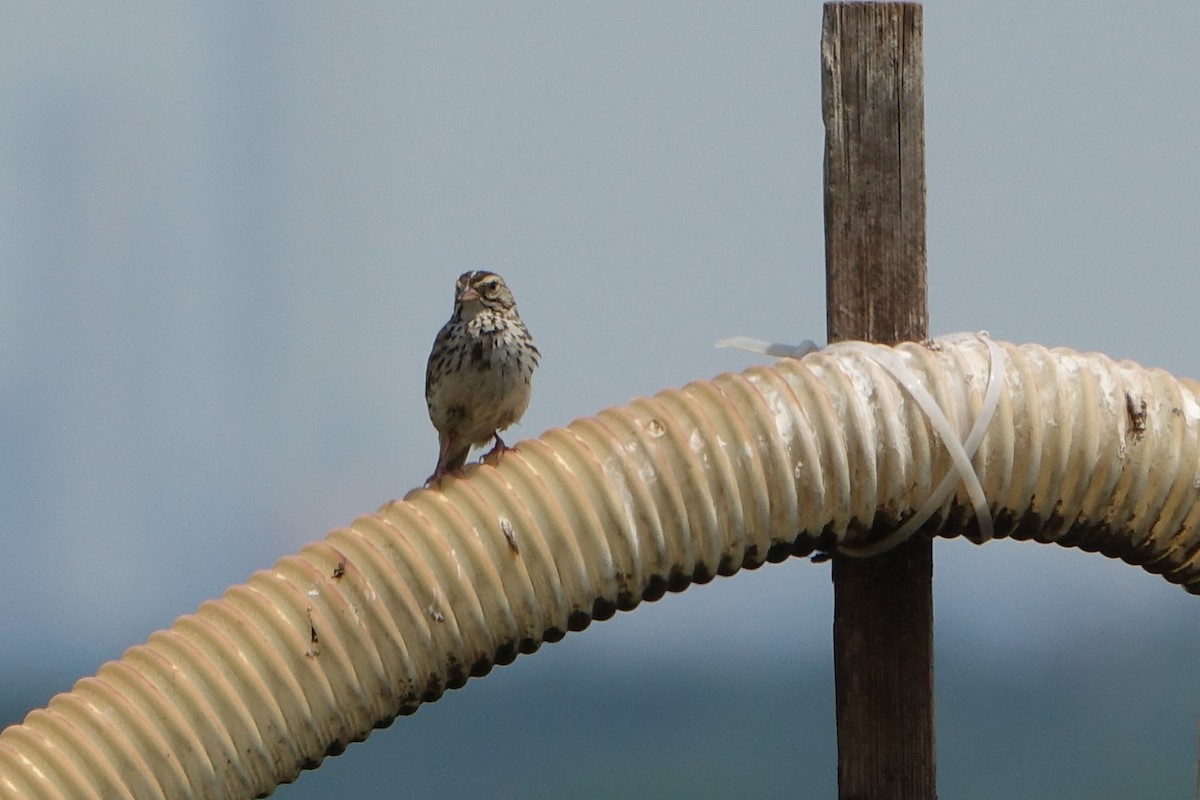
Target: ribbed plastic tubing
(815,454)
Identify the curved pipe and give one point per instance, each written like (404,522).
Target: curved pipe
(814,454)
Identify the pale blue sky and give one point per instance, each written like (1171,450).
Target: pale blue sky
(229,233)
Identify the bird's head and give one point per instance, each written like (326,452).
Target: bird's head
(478,290)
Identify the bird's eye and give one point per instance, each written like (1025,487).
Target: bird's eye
(488,286)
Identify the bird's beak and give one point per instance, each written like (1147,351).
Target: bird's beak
(469,295)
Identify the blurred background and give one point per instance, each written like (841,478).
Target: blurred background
(229,232)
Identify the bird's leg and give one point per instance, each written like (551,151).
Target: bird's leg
(441,471)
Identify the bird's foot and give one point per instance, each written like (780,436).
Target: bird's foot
(434,481)
(497,452)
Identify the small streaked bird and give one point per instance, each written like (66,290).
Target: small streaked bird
(478,379)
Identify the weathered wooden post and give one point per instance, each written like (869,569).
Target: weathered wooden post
(873,104)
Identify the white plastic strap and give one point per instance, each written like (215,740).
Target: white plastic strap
(961,453)
(770,348)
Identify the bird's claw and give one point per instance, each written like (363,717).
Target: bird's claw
(497,452)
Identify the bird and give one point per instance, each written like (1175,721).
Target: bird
(479,377)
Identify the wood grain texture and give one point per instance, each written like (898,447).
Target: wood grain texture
(873,104)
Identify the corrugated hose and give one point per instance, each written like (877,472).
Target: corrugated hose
(833,452)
